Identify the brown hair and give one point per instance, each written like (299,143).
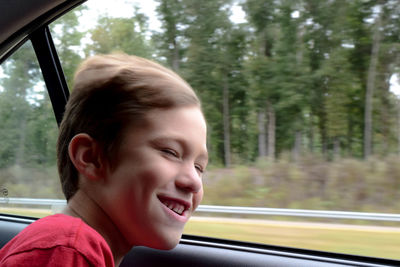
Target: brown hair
(110,93)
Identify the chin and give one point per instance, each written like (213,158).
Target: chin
(166,243)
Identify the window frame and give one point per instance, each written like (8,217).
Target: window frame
(38,32)
(52,71)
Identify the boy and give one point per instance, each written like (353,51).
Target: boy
(131,152)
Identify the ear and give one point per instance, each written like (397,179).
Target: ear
(86,155)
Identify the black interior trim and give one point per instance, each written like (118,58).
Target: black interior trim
(288,251)
(51,69)
(39,15)
(11,225)
(205,251)
(194,255)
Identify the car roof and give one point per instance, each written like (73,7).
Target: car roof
(19,18)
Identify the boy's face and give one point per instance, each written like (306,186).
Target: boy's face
(156,183)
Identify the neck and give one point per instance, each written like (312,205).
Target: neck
(82,206)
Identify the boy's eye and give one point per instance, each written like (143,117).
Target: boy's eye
(170,152)
(199,168)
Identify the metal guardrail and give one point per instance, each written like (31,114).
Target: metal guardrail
(240,210)
(301,213)
(33,201)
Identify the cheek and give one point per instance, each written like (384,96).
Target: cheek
(146,178)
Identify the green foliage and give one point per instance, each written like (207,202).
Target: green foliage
(28,129)
(22,74)
(120,35)
(172,42)
(311,183)
(68,38)
(203,58)
(238,191)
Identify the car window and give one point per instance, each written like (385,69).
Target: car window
(302,104)
(28,133)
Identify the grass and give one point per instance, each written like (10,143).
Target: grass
(372,241)
(381,242)
(37,213)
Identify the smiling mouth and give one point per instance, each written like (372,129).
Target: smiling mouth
(175,206)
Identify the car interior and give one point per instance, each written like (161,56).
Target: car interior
(21,21)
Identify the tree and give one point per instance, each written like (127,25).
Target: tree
(121,35)
(277,71)
(22,73)
(260,15)
(340,87)
(371,84)
(388,63)
(234,97)
(205,32)
(172,39)
(67,38)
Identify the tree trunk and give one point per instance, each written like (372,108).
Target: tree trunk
(323,131)
(21,145)
(311,134)
(265,46)
(226,120)
(299,52)
(271,132)
(398,126)
(297,146)
(349,137)
(336,147)
(175,56)
(262,135)
(370,88)
(385,117)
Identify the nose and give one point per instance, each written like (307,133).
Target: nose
(188,179)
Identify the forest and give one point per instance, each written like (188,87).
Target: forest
(299,98)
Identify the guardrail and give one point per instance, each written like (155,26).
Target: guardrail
(240,210)
(33,201)
(301,213)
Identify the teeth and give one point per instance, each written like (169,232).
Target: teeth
(180,210)
(174,206)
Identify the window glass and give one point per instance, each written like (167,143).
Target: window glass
(28,133)
(302,106)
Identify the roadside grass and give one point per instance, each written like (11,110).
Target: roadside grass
(371,241)
(374,241)
(36,213)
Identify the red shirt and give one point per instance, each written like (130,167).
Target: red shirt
(57,240)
